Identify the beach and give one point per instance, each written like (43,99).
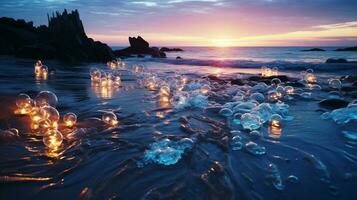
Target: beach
(186,141)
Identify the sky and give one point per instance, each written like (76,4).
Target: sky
(205,22)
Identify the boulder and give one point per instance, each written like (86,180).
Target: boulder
(166,49)
(139,46)
(347,49)
(338,60)
(313,49)
(333,103)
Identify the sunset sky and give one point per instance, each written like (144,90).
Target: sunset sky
(205,22)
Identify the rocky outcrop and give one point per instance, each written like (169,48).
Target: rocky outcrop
(166,49)
(347,49)
(138,46)
(313,49)
(64,39)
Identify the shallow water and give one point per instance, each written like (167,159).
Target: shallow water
(310,158)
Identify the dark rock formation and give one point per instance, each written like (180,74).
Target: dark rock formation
(178,58)
(139,46)
(64,39)
(314,49)
(166,49)
(347,49)
(338,60)
(333,103)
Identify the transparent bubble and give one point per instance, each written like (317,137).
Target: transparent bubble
(255,134)
(335,84)
(236,143)
(254,148)
(260,87)
(264,111)
(51,114)
(186,143)
(275,81)
(37,114)
(305,95)
(44,70)
(289,90)
(198,101)
(53,139)
(95,75)
(310,71)
(110,118)
(226,112)
(274,96)
(244,107)
(46,98)
(70,119)
(93,70)
(24,101)
(259,97)
(280,89)
(250,121)
(334,95)
(236,118)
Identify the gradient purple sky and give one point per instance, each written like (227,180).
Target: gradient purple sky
(205,22)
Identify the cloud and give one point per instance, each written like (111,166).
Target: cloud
(145,3)
(338,25)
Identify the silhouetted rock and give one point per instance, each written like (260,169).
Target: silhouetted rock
(283,78)
(64,39)
(314,49)
(166,49)
(347,49)
(333,103)
(338,60)
(178,58)
(139,46)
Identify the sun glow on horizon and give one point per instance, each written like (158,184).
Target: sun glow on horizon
(222,43)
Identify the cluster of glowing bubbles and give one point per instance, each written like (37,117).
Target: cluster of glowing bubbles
(268,72)
(110,119)
(105,83)
(44,116)
(116,64)
(41,71)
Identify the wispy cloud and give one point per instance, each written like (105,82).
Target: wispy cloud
(145,3)
(338,25)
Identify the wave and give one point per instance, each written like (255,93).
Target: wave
(281,64)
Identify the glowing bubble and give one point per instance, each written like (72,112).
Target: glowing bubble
(226,112)
(250,121)
(70,119)
(24,101)
(274,96)
(37,114)
(264,111)
(257,97)
(95,75)
(335,84)
(236,143)
(310,78)
(44,125)
(38,65)
(275,81)
(110,118)
(165,91)
(46,98)
(254,148)
(276,120)
(289,90)
(205,89)
(51,114)
(53,139)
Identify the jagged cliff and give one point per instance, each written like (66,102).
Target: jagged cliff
(64,38)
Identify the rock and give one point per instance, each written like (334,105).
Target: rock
(178,58)
(64,39)
(338,60)
(347,49)
(313,49)
(237,82)
(267,80)
(140,46)
(333,103)
(165,49)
